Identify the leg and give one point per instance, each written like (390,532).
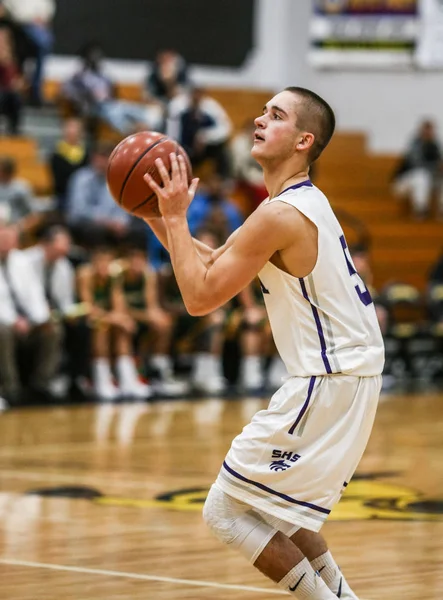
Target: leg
(9,379)
(252,340)
(421,189)
(207,373)
(42,37)
(46,341)
(12,106)
(101,367)
(314,547)
(268,549)
(128,378)
(122,116)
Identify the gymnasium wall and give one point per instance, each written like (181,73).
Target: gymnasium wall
(385,105)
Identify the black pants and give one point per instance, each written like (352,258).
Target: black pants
(11,106)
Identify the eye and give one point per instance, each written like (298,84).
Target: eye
(276,116)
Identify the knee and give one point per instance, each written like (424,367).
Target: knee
(234,524)
(217,517)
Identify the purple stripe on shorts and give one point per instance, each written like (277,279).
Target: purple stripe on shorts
(274,492)
(319,327)
(305,405)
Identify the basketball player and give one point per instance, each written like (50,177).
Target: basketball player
(289,466)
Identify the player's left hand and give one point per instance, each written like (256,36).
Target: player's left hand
(175,196)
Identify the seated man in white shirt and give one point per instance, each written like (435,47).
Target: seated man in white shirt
(56,274)
(24,321)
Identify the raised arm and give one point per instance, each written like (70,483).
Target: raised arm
(206,254)
(206,287)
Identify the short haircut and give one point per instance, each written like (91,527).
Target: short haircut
(52,232)
(315,116)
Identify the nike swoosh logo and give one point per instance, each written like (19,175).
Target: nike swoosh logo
(321,569)
(339,588)
(292,589)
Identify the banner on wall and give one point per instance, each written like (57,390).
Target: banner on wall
(429,53)
(364,33)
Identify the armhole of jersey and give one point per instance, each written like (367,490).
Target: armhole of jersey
(300,209)
(309,217)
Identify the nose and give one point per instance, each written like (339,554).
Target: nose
(259,121)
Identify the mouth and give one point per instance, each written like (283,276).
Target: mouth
(258,137)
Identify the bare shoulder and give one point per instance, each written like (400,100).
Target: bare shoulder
(277,220)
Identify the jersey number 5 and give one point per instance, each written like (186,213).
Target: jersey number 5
(359,286)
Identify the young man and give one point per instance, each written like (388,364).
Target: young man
(289,466)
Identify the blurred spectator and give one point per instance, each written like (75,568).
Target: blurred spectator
(200,337)
(53,269)
(154,324)
(70,154)
(57,277)
(435,292)
(436,273)
(90,93)
(11,84)
(93,216)
(201,125)
(246,169)
(35,17)
(111,327)
(168,77)
(212,208)
(16,198)
(420,171)
(24,321)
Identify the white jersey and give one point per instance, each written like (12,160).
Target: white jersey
(323,323)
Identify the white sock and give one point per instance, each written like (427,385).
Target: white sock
(304,583)
(126,372)
(330,572)
(163,364)
(101,372)
(252,372)
(207,366)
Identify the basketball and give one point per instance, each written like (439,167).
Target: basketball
(130,160)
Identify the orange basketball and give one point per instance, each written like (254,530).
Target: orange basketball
(131,159)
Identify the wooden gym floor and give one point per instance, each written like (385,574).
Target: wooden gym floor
(102,501)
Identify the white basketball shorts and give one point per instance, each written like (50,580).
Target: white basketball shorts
(295,458)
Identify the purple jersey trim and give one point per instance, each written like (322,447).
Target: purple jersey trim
(304,407)
(306,183)
(319,327)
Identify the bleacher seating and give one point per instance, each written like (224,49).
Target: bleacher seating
(355,181)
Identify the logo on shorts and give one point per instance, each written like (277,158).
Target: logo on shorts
(281,465)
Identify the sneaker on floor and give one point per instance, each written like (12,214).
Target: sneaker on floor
(3,404)
(107,392)
(137,390)
(171,387)
(211,385)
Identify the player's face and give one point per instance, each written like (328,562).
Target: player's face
(137,262)
(276,135)
(102,263)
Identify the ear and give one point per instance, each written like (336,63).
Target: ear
(305,141)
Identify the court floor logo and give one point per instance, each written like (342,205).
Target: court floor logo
(368,496)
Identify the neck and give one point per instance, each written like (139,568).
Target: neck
(277,180)
(49,257)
